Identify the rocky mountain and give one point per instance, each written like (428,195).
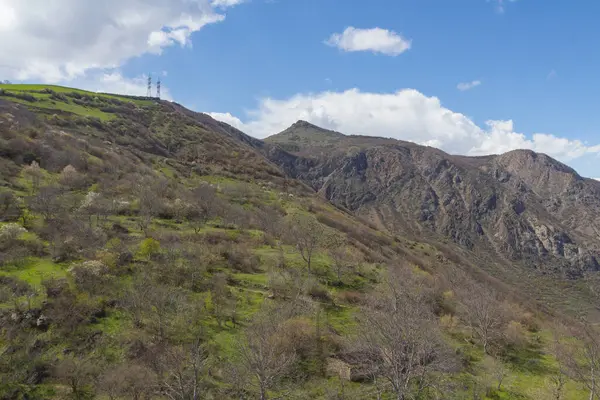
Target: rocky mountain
(521,207)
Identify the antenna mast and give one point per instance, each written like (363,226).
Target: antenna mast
(149,94)
(158,88)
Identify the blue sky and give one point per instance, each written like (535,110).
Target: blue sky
(261,65)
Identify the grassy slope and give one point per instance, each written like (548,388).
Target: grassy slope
(44,100)
(522,382)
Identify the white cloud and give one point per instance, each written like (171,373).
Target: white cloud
(61,40)
(468,85)
(376,40)
(226,3)
(228,119)
(405,115)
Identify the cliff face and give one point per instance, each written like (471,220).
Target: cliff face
(520,206)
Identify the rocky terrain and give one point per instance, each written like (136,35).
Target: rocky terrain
(521,206)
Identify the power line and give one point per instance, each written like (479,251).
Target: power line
(158,88)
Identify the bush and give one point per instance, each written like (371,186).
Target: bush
(149,248)
(217,237)
(515,334)
(90,276)
(320,293)
(11,232)
(352,297)
(9,207)
(242,259)
(16,286)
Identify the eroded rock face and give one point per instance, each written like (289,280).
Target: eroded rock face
(521,206)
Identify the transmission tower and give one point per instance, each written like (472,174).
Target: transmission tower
(158,88)
(149,94)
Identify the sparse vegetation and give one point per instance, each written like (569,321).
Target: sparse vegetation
(147,254)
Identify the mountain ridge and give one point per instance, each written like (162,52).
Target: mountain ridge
(523,205)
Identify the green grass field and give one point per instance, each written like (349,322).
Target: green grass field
(44,100)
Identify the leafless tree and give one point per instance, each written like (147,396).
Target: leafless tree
(400,339)
(482,311)
(221,298)
(77,373)
(164,302)
(186,367)
(308,235)
(264,354)
(150,204)
(203,206)
(9,206)
(582,358)
(46,202)
(132,381)
(35,175)
(343,257)
(559,376)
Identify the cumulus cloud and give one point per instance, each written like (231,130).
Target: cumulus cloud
(228,119)
(406,115)
(463,86)
(376,40)
(61,40)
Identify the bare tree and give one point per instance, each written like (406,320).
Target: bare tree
(130,381)
(308,235)
(481,309)
(343,257)
(221,298)
(9,206)
(46,202)
(34,173)
(150,205)
(264,354)
(583,358)
(202,207)
(400,339)
(78,374)
(559,376)
(186,367)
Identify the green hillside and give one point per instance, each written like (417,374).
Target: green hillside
(149,252)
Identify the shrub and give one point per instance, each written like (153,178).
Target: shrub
(9,207)
(149,248)
(352,297)
(318,292)
(90,276)
(16,286)
(217,237)
(448,322)
(11,232)
(515,334)
(242,259)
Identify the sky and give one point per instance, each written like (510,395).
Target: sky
(468,76)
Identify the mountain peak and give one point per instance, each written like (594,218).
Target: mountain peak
(302,123)
(303,134)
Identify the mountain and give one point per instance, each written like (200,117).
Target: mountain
(149,251)
(520,206)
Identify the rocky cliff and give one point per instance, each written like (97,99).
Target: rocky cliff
(521,206)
